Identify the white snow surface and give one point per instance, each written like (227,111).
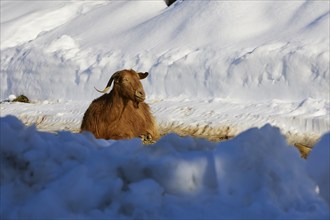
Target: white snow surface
(65,175)
(215,67)
(231,63)
(244,50)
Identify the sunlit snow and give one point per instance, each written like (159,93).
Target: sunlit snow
(254,71)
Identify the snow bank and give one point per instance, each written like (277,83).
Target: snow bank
(251,50)
(318,166)
(255,175)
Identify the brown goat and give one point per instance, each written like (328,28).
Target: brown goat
(121,114)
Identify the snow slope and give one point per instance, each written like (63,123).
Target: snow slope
(235,50)
(215,54)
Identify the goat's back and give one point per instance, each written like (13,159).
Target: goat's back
(109,119)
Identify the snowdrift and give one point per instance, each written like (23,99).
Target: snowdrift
(212,64)
(254,175)
(251,50)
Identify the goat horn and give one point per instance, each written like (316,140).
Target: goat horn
(116,74)
(102,91)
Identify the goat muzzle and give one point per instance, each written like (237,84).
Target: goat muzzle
(139,96)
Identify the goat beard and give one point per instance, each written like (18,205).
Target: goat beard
(137,101)
(136,104)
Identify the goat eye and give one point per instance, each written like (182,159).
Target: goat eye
(125,79)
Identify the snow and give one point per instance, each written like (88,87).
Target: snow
(259,59)
(254,71)
(254,175)
(318,166)
(301,122)
(11,98)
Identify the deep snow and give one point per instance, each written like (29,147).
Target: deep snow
(231,63)
(244,50)
(216,68)
(255,175)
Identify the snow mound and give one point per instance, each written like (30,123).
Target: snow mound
(254,175)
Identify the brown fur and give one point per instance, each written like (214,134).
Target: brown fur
(121,114)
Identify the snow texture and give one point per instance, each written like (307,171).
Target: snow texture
(215,65)
(255,175)
(251,50)
(318,166)
(211,64)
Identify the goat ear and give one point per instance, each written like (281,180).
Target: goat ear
(143,75)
